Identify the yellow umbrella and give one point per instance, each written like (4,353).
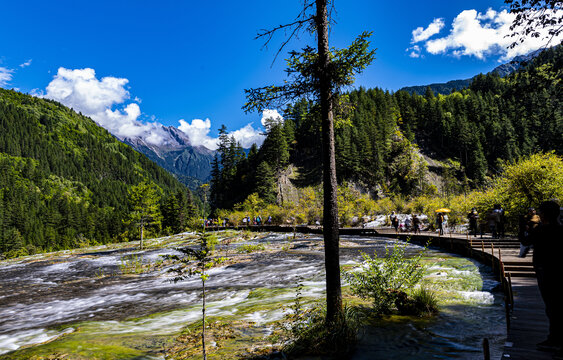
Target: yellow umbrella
(442,210)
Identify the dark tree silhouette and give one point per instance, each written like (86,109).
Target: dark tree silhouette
(533,15)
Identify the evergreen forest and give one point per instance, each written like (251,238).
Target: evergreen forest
(384,139)
(66,182)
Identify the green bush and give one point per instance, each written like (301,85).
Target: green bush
(384,281)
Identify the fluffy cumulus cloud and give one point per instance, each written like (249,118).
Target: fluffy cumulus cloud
(475,34)
(5,76)
(198,132)
(105,101)
(248,135)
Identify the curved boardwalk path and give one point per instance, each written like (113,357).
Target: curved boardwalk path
(525,313)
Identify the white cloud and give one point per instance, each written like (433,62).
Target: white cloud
(26,64)
(421,34)
(198,133)
(272,115)
(81,90)
(247,136)
(480,35)
(108,102)
(5,76)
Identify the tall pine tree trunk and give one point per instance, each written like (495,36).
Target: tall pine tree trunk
(330,216)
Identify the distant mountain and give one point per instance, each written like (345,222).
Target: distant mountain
(190,164)
(455,85)
(439,88)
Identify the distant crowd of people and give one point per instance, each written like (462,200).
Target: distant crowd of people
(246,221)
(411,223)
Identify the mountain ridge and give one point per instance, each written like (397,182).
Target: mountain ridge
(446,88)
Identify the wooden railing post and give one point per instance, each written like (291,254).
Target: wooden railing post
(493,257)
(486,350)
(510,290)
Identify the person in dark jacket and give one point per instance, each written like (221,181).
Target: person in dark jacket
(547,239)
(473,216)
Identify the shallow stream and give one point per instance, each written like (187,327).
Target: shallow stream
(81,305)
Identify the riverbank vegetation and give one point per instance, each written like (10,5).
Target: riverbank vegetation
(519,185)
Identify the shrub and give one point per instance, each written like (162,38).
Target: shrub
(385,280)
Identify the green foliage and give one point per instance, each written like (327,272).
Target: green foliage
(381,135)
(203,261)
(524,184)
(144,199)
(63,179)
(304,75)
(131,265)
(250,248)
(385,280)
(425,301)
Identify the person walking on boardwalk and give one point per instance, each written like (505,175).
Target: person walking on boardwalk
(493,219)
(547,239)
(528,222)
(416,224)
(440,223)
(473,217)
(394,221)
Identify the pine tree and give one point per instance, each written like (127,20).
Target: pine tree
(144,200)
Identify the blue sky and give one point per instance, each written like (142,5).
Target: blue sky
(166,61)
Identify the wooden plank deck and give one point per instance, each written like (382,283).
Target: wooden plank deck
(527,323)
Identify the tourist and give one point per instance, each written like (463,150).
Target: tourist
(408,223)
(493,222)
(528,222)
(547,239)
(473,217)
(416,224)
(439,223)
(395,221)
(501,218)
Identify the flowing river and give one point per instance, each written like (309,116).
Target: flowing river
(120,303)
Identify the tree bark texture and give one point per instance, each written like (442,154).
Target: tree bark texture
(330,208)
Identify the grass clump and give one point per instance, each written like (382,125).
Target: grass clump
(250,248)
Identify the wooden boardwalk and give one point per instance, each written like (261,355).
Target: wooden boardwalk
(526,321)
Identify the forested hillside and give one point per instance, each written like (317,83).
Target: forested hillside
(65,181)
(379,135)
